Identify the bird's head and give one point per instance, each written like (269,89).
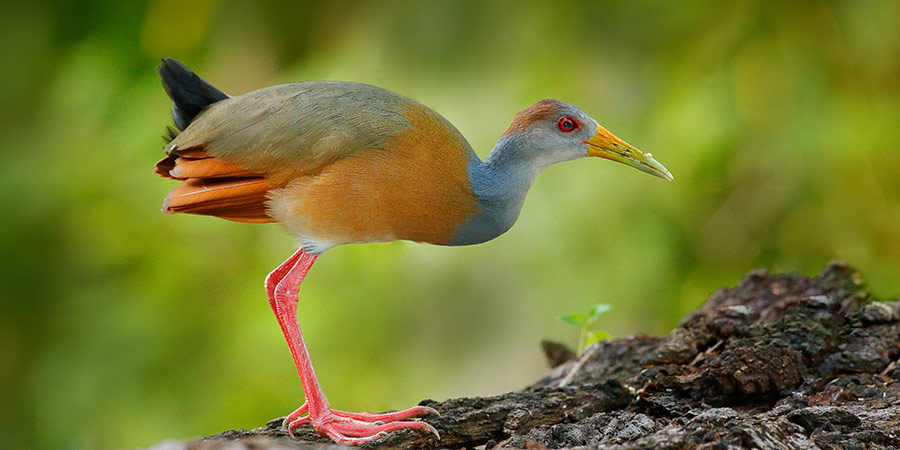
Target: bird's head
(552,131)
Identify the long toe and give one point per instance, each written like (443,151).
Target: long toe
(292,417)
(296,423)
(416,411)
(353,432)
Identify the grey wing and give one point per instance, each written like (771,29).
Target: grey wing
(292,130)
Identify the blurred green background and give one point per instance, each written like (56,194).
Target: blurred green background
(122,326)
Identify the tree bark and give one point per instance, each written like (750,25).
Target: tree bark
(780,361)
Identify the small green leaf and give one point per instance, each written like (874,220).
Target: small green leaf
(598,309)
(575,319)
(595,336)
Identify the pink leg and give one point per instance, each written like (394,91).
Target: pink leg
(282,287)
(272,281)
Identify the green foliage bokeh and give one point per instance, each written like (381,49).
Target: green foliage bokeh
(121,326)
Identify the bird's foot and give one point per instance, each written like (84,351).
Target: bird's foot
(358,428)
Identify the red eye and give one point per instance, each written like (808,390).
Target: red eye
(567,124)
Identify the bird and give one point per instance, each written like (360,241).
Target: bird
(340,162)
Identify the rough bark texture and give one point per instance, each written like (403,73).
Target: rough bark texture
(780,361)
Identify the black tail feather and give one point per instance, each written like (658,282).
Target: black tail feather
(190,94)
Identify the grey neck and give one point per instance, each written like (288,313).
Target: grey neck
(500,184)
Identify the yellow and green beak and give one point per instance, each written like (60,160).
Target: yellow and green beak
(605,145)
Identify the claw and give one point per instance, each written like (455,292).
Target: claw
(433,431)
(428,411)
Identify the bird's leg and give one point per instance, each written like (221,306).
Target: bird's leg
(272,281)
(282,287)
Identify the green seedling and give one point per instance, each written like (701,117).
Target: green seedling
(588,337)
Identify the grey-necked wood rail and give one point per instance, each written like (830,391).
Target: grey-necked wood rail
(342,162)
